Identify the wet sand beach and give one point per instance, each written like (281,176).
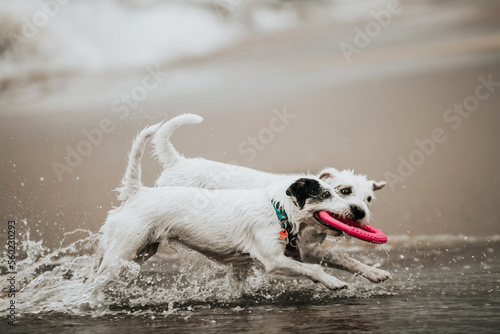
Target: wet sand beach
(365,116)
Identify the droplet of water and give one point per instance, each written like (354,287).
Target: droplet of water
(42,178)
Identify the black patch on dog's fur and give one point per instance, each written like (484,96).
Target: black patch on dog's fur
(302,189)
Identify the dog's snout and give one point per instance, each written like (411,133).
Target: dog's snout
(357,212)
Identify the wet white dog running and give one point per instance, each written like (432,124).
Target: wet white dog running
(232,225)
(355,193)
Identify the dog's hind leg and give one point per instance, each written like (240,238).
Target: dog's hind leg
(126,249)
(238,274)
(99,254)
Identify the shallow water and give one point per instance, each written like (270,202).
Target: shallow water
(446,284)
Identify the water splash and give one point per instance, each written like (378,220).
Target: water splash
(58,281)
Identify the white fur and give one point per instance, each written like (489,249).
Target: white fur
(202,173)
(131,181)
(161,140)
(229,223)
(199,172)
(174,213)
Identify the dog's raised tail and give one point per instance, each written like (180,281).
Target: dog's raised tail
(164,149)
(131,181)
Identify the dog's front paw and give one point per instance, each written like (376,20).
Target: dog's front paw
(377,275)
(335,284)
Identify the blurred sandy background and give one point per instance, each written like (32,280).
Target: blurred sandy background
(236,63)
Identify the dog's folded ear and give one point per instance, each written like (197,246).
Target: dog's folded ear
(378,185)
(302,189)
(327,173)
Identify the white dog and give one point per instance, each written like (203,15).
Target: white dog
(353,189)
(226,225)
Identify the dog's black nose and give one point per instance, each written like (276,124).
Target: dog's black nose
(357,212)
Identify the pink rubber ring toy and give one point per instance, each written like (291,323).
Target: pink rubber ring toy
(366,233)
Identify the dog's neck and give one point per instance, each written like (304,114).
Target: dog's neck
(286,225)
(277,194)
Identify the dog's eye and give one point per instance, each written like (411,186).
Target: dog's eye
(369,199)
(326,195)
(346,191)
